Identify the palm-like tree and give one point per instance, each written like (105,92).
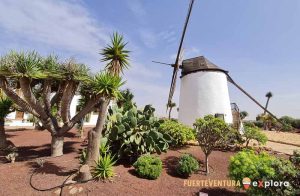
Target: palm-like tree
(116,55)
(171,105)
(38,79)
(268,95)
(108,86)
(6,107)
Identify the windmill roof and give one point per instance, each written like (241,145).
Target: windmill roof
(199,63)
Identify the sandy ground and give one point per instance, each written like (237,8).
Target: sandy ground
(33,144)
(285,137)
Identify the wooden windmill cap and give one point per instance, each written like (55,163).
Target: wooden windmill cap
(199,63)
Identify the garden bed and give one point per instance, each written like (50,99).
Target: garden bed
(14,178)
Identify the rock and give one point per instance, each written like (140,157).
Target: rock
(80,189)
(73,191)
(84,173)
(203,194)
(57,192)
(70,181)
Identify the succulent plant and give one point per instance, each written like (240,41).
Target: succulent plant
(135,132)
(11,157)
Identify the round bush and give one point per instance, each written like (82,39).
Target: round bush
(148,166)
(180,133)
(187,165)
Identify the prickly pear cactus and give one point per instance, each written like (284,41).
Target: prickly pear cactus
(135,132)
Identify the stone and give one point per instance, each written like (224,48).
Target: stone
(80,189)
(57,191)
(73,191)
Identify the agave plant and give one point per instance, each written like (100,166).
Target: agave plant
(104,167)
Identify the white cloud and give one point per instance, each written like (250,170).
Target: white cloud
(67,28)
(148,37)
(187,53)
(63,25)
(151,38)
(137,8)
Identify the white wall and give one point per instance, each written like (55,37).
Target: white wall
(203,93)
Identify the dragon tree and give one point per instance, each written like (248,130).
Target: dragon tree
(48,87)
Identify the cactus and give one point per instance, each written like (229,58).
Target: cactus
(135,132)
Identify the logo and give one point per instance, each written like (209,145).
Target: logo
(263,183)
(246,183)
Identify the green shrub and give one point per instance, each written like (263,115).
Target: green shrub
(179,133)
(263,167)
(148,166)
(286,127)
(249,123)
(187,165)
(135,132)
(256,167)
(259,123)
(104,167)
(287,119)
(296,123)
(285,171)
(295,158)
(254,133)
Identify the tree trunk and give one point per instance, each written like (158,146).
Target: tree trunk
(95,135)
(57,144)
(3,141)
(206,165)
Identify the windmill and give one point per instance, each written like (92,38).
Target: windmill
(204,86)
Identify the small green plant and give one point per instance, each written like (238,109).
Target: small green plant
(264,167)
(248,164)
(187,165)
(211,134)
(11,157)
(295,158)
(179,133)
(104,147)
(254,133)
(83,156)
(258,123)
(286,127)
(148,166)
(104,167)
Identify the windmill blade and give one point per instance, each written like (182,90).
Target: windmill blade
(163,63)
(176,65)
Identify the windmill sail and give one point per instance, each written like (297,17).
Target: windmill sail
(176,65)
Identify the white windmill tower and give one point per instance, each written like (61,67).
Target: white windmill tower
(203,91)
(204,88)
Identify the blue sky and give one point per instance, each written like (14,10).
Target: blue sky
(258,42)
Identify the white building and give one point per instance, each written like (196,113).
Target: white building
(17,118)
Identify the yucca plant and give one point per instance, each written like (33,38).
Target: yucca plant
(103,168)
(107,86)
(116,54)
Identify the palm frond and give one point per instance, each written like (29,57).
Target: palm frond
(116,55)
